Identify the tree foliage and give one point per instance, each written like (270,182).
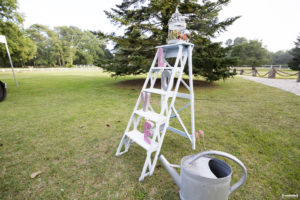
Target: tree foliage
(249,53)
(239,41)
(21,48)
(295,52)
(49,51)
(65,46)
(280,58)
(146,26)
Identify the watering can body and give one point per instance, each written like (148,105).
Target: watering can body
(204,178)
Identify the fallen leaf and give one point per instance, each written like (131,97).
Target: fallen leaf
(35,174)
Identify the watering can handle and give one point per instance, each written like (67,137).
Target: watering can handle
(231,157)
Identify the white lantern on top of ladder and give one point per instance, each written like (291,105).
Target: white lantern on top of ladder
(148,124)
(177,28)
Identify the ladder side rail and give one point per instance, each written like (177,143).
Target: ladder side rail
(148,165)
(172,103)
(135,126)
(156,134)
(123,142)
(163,107)
(179,58)
(144,174)
(182,95)
(133,113)
(162,101)
(162,136)
(150,71)
(179,78)
(183,62)
(175,92)
(140,96)
(190,65)
(152,81)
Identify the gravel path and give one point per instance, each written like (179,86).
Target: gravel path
(289,85)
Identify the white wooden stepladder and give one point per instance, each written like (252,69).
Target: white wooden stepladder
(183,53)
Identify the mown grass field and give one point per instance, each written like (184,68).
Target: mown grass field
(69,124)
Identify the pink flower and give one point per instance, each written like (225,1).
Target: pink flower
(196,134)
(201,132)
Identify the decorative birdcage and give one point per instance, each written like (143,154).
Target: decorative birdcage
(177,28)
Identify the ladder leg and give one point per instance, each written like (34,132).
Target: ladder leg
(191,96)
(157,154)
(146,166)
(126,143)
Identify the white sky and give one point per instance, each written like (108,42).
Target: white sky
(275,22)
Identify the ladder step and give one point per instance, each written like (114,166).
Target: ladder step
(182,95)
(155,117)
(155,91)
(138,138)
(164,68)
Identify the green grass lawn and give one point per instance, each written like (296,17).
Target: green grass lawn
(69,124)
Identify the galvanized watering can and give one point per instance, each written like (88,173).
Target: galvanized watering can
(205,178)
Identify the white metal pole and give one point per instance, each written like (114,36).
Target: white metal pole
(11,64)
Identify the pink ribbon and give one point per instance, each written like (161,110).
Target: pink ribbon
(160,57)
(147,131)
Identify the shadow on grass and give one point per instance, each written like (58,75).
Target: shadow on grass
(138,83)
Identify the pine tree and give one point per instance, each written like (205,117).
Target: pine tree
(295,62)
(295,52)
(146,26)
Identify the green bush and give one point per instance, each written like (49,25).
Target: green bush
(69,65)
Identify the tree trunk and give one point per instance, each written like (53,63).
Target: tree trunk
(59,61)
(62,59)
(298,79)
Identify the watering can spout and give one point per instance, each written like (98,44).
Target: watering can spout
(170,169)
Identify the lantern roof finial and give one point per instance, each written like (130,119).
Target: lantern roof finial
(177,21)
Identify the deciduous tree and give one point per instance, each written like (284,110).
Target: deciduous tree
(21,48)
(65,46)
(250,53)
(49,46)
(281,58)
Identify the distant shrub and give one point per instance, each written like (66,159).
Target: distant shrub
(69,65)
